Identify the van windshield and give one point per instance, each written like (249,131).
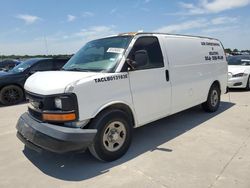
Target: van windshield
(100,55)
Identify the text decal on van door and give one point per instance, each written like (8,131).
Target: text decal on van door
(214,56)
(111,78)
(209,44)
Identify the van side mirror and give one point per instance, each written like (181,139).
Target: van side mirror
(141,58)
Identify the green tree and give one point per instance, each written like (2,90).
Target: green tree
(228,51)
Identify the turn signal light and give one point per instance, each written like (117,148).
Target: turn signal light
(59,117)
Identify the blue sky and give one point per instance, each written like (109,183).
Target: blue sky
(37,26)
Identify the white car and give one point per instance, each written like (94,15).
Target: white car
(118,83)
(239,71)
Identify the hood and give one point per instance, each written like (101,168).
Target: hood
(236,69)
(3,73)
(54,82)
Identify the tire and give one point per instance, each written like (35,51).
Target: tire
(114,135)
(248,84)
(213,100)
(10,95)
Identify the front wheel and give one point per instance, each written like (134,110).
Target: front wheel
(10,95)
(114,134)
(213,100)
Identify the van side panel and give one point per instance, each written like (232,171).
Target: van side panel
(96,93)
(195,63)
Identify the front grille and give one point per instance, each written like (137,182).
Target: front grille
(36,114)
(35,100)
(35,105)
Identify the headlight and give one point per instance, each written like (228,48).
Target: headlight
(58,103)
(239,75)
(65,109)
(54,108)
(65,102)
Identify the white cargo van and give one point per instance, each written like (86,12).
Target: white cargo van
(118,83)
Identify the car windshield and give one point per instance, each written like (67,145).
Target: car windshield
(100,55)
(239,60)
(23,66)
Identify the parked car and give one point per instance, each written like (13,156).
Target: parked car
(239,71)
(12,82)
(8,64)
(118,83)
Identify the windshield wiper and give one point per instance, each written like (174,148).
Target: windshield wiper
(77,69)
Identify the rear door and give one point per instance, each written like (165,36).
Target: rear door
(150,85)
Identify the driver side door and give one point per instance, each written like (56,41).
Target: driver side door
(149,84)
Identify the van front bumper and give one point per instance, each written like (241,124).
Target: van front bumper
(37,136)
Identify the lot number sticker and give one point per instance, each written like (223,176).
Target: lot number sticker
(116,50)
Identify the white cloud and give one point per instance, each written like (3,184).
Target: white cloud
(216,30)
(196,24)
(223,20)
(145,9)
(112,11)
(199,23)
(57,42)
(71,18)
(187,5)
(28,19)
(87,14)
(95,32)
(213,6)
(221,5)
(229,30)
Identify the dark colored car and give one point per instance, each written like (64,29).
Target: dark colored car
(12,82)
(8,64)
(237,60)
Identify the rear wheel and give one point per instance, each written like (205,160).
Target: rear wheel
(213,100)
(114,134)
(10,95)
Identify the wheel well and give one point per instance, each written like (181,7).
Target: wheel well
(123,107)
(216,83)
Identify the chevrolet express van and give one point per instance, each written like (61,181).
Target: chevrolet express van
(118,83)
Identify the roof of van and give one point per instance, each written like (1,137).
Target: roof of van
(158,33)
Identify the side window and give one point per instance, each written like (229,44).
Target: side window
(43,66)
(152,46)
(58,64)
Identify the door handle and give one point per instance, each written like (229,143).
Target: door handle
(167,75)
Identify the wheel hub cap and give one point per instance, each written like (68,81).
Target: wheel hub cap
(214,98)
(11,95)
(114,136)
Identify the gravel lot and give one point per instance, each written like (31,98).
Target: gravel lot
(189,149)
